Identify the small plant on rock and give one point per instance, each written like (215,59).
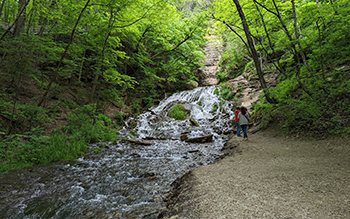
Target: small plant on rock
(178,112)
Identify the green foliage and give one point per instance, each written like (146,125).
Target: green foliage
(222,76)
(178,112)
(215,108)
(224,92)
(89,126)
(68,103)
(84,126)
(119,117)
(148,102)
(297,112)
(18,117)
(233,57)
(312,98)
(133,52)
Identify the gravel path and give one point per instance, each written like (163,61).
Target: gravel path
(269,177)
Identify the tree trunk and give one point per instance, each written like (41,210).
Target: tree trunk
(54,77)
(19,27)
(302,54)
(2,7)
(15,21)
(320,37)
(279,67)
(44,20)
(253,51)
(94,85)
(278,15)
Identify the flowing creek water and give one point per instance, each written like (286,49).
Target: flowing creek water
(125,180)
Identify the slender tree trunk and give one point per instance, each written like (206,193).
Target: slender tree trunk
(81,66)
(44,20)
(2,7)
(321,49)
(278,15)
(6,13)
(54,77)
(19,27)
(98,70)
(31,17)
(280,69)
(253,51)
(237,34)
(318,4)
(302,54)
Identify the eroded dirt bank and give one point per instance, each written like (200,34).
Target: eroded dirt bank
(269,177)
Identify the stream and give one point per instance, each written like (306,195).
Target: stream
(125,180)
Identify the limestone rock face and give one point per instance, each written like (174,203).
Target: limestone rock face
(248,88)
(206,75)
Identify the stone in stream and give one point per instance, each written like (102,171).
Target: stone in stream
(139,142)
(202,139)
(193,122)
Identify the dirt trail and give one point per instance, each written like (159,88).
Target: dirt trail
(269,177)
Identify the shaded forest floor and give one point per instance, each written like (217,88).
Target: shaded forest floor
(268,176)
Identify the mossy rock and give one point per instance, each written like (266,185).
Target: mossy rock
(178,112)
(193,122)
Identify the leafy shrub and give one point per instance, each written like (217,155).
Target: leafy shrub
(222,76)
(89,126)
(178,112)
(119,118)
(84,126)
(23,117)
(224,92)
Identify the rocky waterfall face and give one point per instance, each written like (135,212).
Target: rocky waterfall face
(130,177)
(207,74)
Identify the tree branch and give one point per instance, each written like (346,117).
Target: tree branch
(263,6)
(177,46)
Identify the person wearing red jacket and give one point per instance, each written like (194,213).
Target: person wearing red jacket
(238,126)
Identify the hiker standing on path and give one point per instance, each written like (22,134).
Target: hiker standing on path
(238,127)
(243,117)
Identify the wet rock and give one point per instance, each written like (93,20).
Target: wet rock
(229,131)
(202,139)
(153,138)
(147,175)
(139,142)
(193,122)
(135,155)
(187,107)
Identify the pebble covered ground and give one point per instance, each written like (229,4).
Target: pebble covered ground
(269,177)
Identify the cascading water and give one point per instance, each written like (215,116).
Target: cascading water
(126,180)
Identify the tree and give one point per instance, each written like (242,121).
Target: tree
(2,7)
(253,52)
